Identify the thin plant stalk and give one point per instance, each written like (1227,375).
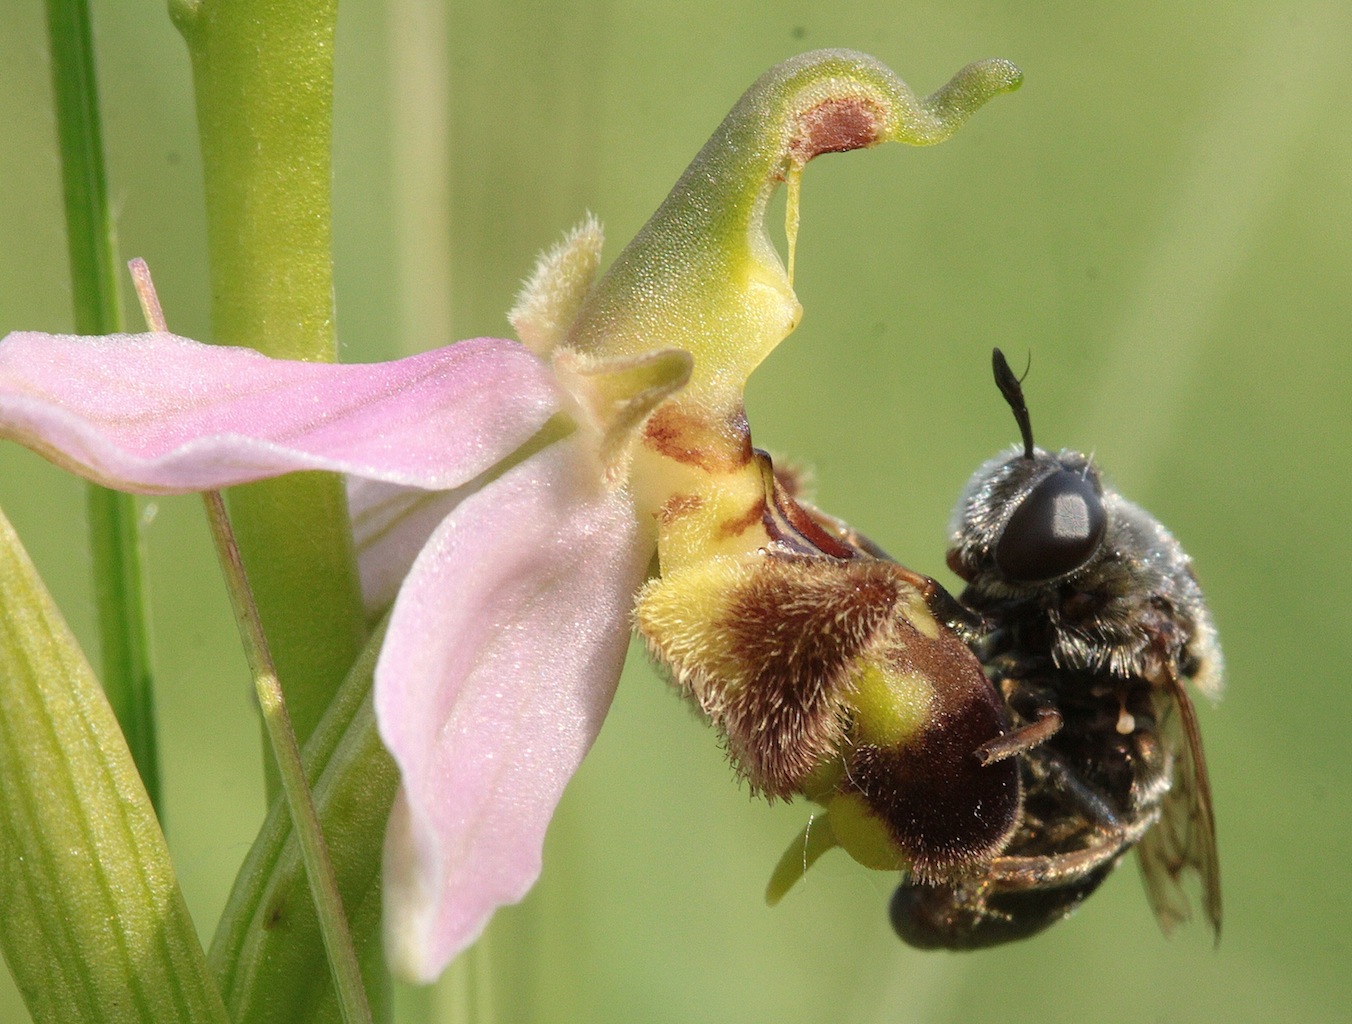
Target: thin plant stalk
(277,724)
(114,532)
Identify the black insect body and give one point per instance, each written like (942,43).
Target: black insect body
(1092,624)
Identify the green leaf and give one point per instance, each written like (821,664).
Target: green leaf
(94,927)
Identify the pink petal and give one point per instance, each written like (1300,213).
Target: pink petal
(158,413)
(502,656)
(390,525)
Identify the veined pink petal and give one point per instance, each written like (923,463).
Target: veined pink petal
(159,413)
(390,525)
(502,656)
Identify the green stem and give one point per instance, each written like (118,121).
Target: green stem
(115,539)
(263,72)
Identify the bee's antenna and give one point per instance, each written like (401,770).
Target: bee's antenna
(1012,388)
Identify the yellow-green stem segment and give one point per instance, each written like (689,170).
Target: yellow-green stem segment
(263,74)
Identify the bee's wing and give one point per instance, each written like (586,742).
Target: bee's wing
(1185,836)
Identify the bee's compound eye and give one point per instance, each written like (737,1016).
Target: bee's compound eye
(1055,530)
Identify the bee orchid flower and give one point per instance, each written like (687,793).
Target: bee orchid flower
(508,498)
(494,578)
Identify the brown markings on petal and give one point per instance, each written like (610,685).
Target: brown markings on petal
(753,516)
(795,630)
(834,126)
(689,438)
(679,505)
(942,806)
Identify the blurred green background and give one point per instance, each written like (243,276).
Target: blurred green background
(1161,217)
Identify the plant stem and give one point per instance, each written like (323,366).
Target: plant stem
(114,534)
(263,72)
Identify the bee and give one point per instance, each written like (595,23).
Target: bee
(1091,625)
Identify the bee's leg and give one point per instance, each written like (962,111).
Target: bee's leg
(971,626)
(1108,835)
(1062,869)
(1053,774)
(1046,724)
(1109,838)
